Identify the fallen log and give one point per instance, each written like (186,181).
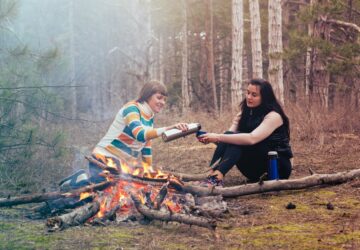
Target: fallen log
(77,217)
(36,198)
(275,185)
(168,216)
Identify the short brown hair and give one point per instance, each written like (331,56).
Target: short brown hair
(150,88)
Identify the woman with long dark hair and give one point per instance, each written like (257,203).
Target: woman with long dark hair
(260,127)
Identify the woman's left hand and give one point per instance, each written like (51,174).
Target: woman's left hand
(209,137)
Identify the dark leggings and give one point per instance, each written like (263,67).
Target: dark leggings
(252,161)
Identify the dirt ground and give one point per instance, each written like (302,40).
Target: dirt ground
(254,222)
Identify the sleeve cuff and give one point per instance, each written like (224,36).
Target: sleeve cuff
(159,131)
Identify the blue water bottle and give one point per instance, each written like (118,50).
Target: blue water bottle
(273,171)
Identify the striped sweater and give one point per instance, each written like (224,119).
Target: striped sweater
(130,134)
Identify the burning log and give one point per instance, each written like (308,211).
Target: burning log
(168,216)
(102,165)
(77,217)
(36,198)
(109,216)
(161,196)
(276,185)
(115,173)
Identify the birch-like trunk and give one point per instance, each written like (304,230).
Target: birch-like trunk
(184,67)
(275,71)
(237,53)
(256,39)
(161,59)
(72,53)
(309,60)
(222,75)
(210,71)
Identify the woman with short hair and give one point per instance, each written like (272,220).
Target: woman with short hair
(131,132)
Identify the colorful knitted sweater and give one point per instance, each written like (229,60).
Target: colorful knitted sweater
(130,134)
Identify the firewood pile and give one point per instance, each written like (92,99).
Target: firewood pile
(128,194)
(142,194)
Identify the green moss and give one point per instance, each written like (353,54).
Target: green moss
(281,235)
(17,235)
(170,245)
(346,238)
(324,194)
(349,203)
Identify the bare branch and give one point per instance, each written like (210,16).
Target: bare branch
(341,23)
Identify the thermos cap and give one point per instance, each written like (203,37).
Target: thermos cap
(272,153)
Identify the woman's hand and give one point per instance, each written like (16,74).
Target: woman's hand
(181,126)
(209,137)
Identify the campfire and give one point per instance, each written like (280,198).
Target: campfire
(132,191)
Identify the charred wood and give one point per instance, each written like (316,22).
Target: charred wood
(160,197)
(168,216)
(276,185)
(53,207)
(77,217)
(108,216)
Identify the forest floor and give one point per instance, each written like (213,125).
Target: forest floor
(254,222)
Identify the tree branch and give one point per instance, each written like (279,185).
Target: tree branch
(341,23)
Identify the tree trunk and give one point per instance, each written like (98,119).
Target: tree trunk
(184,67)
(309,60)
(209,39)
(222,75)
(275,70)
(321,76)
(256,39)
(72,53)
(161,59)
(237,53)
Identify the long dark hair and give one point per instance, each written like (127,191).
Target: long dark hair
(268,103)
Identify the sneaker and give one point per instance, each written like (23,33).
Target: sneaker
(74,181)
(212,181)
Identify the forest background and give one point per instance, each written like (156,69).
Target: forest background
(67,66)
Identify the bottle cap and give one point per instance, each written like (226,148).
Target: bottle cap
(272,153)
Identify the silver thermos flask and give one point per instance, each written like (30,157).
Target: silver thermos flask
(174,133)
